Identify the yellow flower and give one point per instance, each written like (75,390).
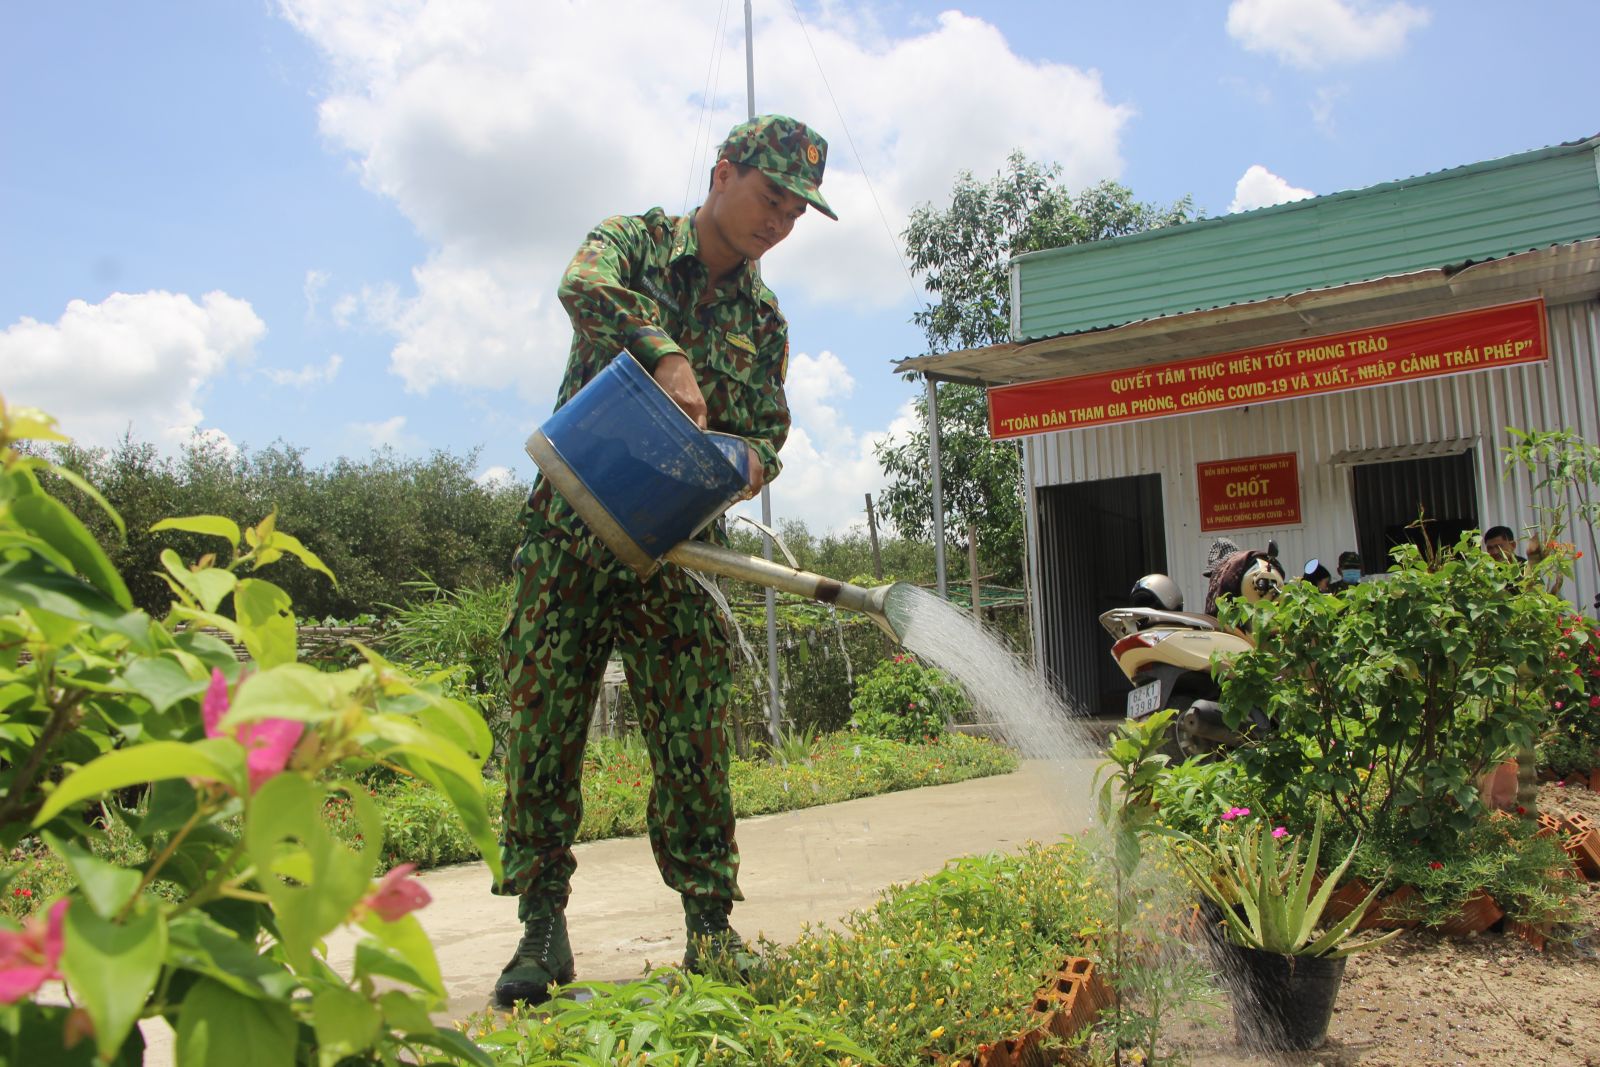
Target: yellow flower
(936,1033)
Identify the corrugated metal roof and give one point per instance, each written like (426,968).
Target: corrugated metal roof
(1466,214)
(1566,273)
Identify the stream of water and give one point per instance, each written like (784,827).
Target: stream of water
(1006,689)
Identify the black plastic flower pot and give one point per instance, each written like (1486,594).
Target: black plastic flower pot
(1281,1003)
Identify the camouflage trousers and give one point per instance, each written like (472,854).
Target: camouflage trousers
(566,619)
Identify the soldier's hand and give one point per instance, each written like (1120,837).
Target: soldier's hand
(676,376)
(758,477)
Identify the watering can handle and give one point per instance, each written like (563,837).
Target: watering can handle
(738,452)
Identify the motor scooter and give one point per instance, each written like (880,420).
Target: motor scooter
(1169,657)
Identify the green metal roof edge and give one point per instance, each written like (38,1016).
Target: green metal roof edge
(1568,148)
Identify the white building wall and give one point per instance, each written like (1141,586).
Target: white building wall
(1560,394)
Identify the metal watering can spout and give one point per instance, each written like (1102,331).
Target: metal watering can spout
(646,480)
(883,604)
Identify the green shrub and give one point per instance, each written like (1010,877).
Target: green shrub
(179,791)
(947,964)
(1192,796)
(1499,855)
(819,657)
(1422,680)
(460,630)
(669,1017)
(902,700)
(1570,742)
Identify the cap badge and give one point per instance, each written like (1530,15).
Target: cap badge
(812,155)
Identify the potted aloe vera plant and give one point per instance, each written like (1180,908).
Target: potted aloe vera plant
(1282,962)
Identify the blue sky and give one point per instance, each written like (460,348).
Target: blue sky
(340,222)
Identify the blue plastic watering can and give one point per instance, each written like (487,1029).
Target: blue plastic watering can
(646,480)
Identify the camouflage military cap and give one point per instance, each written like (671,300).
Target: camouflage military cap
(785,150)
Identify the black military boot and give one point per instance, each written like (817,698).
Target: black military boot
(711,938)
(543,956)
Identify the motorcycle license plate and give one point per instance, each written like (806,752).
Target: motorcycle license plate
(1144,700)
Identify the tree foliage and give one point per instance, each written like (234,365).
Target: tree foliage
(965,251)
(378,523)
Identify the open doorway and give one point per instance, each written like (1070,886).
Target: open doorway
(1095,540)
(1391,498)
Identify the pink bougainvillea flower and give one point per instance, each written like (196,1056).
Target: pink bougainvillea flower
(29,957)
(268,742)
(398,894)
(1594,701)
(1234,813)
(1279,831)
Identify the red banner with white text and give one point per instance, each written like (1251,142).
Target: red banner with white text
(1502,336)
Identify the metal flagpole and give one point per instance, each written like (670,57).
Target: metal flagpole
(938,487)
(774,693)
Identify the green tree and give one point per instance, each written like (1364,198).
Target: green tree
(965,253)
(379,523)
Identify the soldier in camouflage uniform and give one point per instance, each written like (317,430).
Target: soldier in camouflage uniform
(684,296)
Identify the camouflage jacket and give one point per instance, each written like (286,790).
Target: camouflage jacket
(637,284)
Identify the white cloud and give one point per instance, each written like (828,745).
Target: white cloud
(828,467)
(135,362)
(390,433)
(1259,187)
(1322,107)
(316,281)
(496,477)
(308,375)
(464,114)
(1316,34)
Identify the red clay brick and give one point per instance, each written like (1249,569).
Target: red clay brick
(1584,848)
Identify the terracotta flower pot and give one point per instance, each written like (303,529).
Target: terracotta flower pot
(1281,1002)
(1478,913)
(1498,786)
(1535,934)
(1345,899)
(1382,914)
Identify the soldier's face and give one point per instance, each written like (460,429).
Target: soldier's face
(751,211)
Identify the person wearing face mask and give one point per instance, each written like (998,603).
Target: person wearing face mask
(1349,572)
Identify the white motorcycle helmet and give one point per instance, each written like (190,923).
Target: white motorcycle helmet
(1156,591)
(1263,581)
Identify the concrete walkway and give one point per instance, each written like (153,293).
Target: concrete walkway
(798,867)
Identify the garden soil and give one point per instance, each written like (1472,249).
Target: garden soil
(1428,1000)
